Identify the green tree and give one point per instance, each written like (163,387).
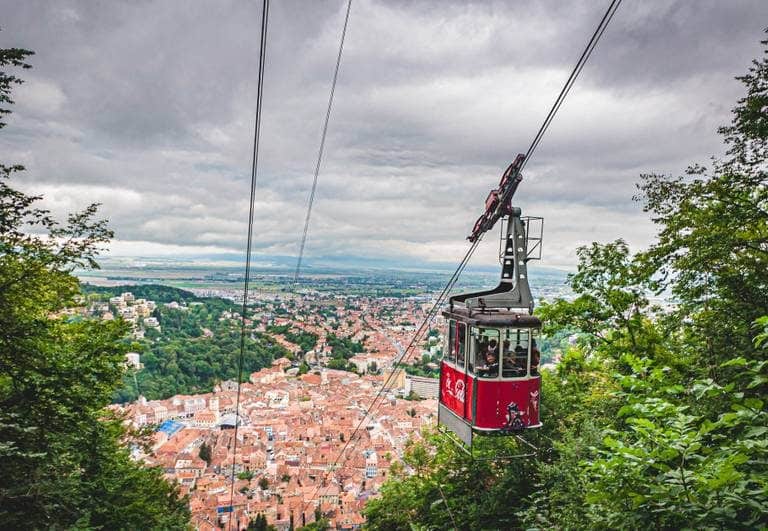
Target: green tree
(320,524)
(686,449)
(205,453)
(64,460)
(246,475)
(612,299)
(10,57)
(439,487)
(343,347)
(260,524)
(713,238)
(678,466)
(341,365)
(177,360)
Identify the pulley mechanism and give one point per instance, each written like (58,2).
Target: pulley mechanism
(499,202)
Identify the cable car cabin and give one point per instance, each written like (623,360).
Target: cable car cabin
(489,374)
(489,377)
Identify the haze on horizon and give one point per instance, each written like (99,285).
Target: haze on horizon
(147,107)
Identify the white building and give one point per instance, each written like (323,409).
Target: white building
(127,312)
(371,464)
(213,404)
(151,322)
(133,360)
(424,387)
(193,404)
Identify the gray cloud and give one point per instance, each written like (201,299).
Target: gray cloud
(147,107)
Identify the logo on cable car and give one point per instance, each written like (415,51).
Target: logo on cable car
(459,390)
(455,390)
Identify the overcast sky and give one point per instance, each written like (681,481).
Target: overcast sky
(147,107)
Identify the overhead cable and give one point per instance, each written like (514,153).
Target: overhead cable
(254,173)
(322,147)
(591,44)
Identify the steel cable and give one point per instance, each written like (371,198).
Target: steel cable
(591,44)
(254,173)
(322,147)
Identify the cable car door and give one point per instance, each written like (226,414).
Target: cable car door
(454,382)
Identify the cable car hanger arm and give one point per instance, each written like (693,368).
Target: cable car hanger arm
(499,201)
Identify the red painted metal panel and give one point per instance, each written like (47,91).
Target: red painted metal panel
(453,390)
(500,402)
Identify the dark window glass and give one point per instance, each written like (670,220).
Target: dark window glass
(462,345)
(515,348)
(486,347)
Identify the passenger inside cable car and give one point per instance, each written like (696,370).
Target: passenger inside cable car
(513,356)
(490,367)
(487,352)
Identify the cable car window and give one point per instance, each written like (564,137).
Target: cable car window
(487,352)
(535,355)
(462,345)
(450,352)
(515,352)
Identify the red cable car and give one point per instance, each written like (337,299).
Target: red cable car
(489,378)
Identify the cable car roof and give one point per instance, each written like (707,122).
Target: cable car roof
(496,318)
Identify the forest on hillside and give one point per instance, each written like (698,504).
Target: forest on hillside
(654,419)
(195,347)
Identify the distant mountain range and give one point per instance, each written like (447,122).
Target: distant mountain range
(280,264)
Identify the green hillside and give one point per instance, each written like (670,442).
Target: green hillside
(195,347)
